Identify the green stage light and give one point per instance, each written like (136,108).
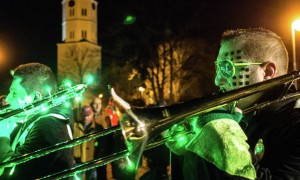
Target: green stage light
(67,104)
(130,166)
(89,79)
(11,172)
(129,19)
(78,98)
(48,89)
(67,82)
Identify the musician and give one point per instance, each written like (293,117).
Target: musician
(269,146)
(31,83)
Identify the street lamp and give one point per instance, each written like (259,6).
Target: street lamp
(141,89)
(295,26)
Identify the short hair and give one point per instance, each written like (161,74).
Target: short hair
(36,76)
(93,100)
(87,110)
(260,45)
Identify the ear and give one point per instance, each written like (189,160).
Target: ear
(37,96)
(270,70)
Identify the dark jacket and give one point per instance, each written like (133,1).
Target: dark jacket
(279,128)
(46,130)
(89,150)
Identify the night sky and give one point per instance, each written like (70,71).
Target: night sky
(30,30)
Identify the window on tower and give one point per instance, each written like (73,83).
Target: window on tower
(83,34)
(84,12)
(72,34)
(72,12)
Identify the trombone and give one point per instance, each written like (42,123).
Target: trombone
(138,128)
(44,104)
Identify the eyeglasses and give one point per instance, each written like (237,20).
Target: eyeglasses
(227,68)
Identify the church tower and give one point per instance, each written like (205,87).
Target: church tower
(79,21)
(79,54)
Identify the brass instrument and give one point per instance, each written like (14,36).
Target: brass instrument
(63,145)
(99,162)
(46,103)
(139,129)
(142,124)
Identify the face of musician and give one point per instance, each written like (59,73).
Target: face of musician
(234,70)
(32,82)
(18,96)
(97,105)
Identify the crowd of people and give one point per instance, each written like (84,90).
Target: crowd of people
(95,118)
(225,143)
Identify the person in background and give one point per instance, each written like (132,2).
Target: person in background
(105,143)
(268,147)
(112,112)
(86,151)
(31,83)
(99,114)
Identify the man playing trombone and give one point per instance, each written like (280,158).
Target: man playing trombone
(33,82)
(269,144)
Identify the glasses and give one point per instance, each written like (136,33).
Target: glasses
(227,68)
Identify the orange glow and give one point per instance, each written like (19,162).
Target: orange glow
(3,56)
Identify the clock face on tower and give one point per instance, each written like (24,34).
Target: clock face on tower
(71,3)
